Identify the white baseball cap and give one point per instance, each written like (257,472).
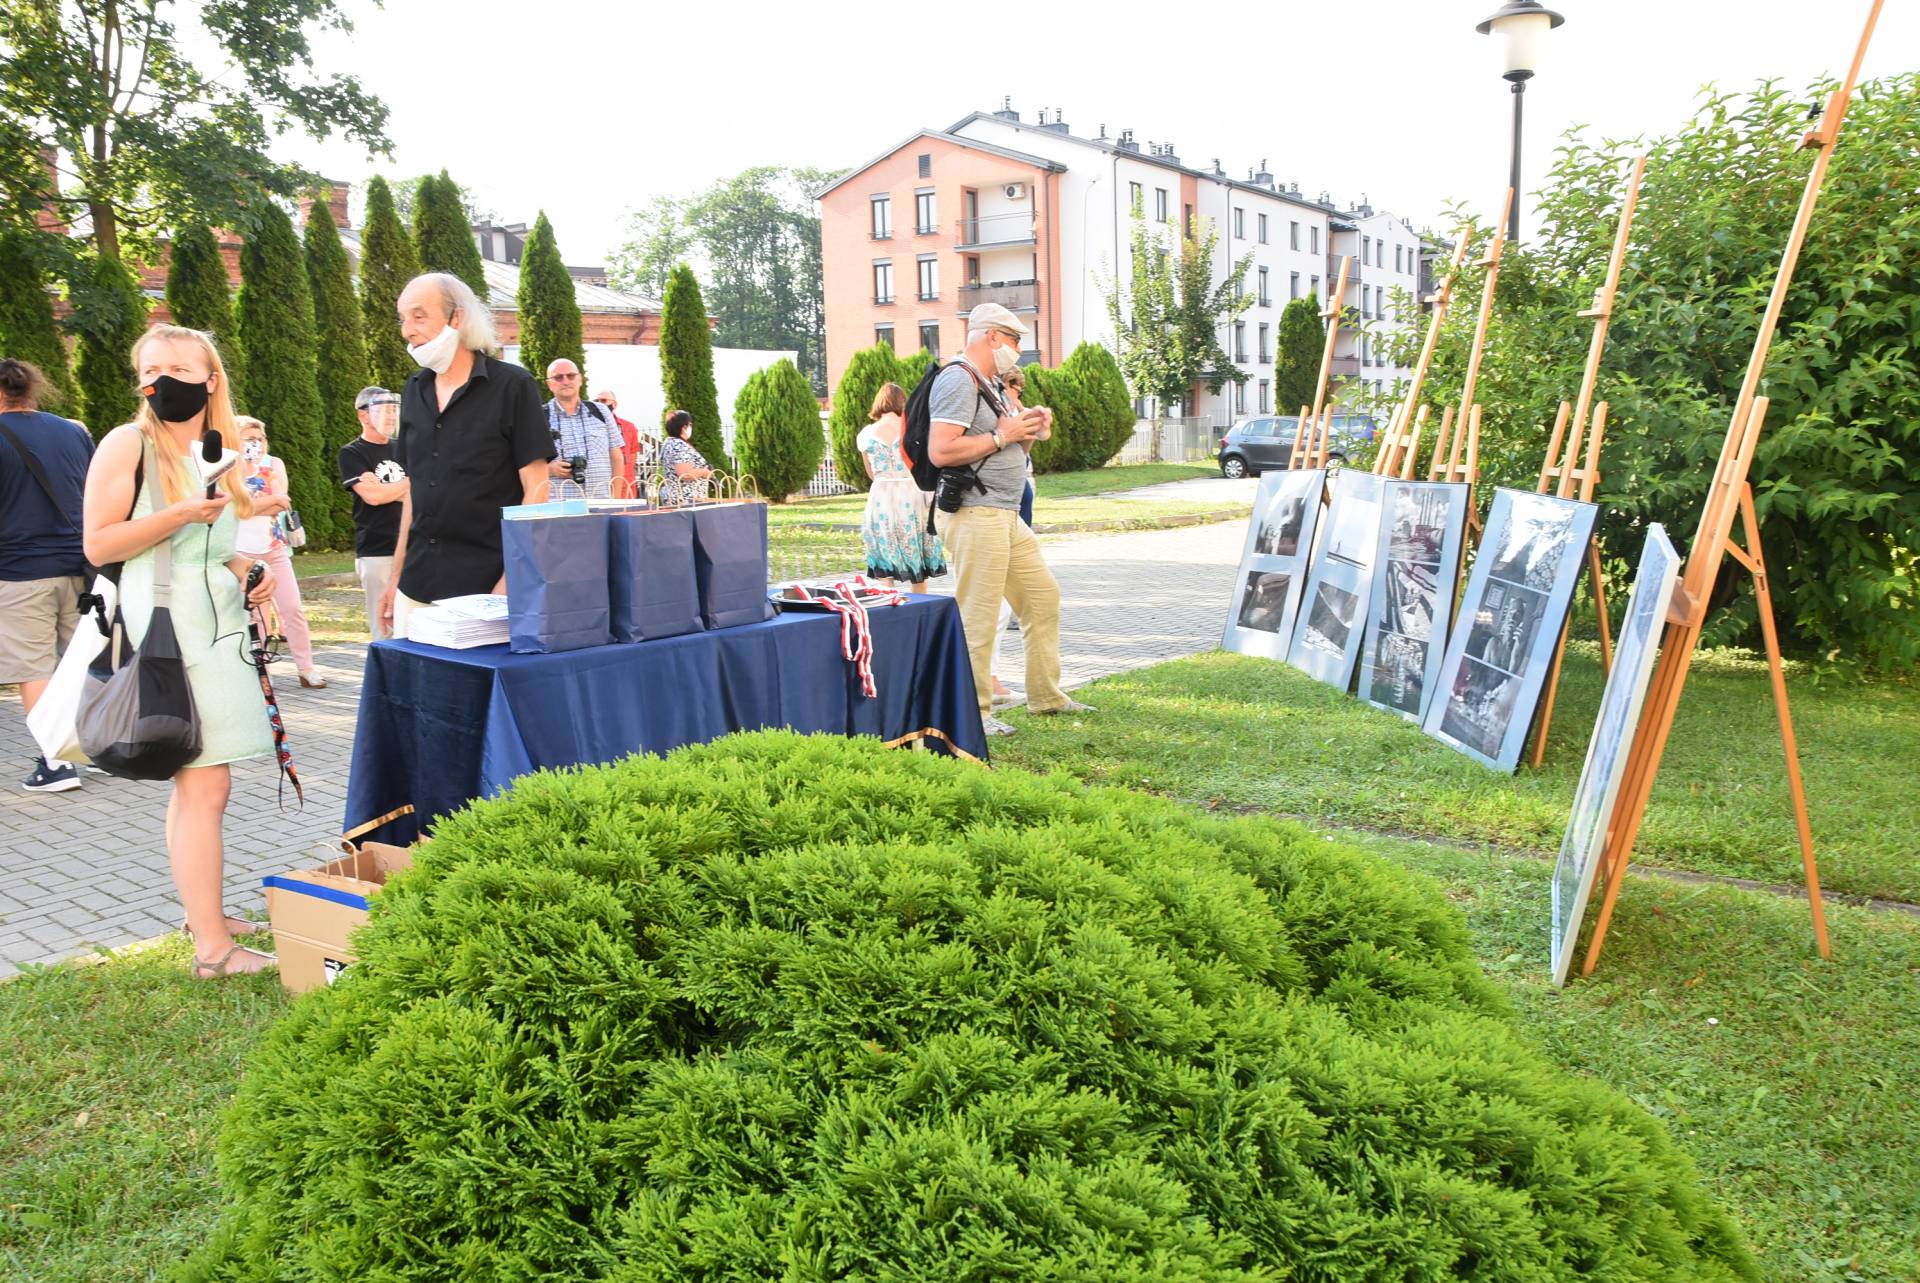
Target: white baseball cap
(991,316)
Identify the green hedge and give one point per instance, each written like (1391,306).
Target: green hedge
(809,1009)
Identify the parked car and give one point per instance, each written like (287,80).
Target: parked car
(1264,443)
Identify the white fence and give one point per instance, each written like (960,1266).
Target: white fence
(1186,440)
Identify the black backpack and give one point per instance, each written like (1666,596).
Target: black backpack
(919,424)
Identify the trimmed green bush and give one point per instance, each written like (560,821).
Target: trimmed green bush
(442,234)
(867,370)
(810,1009)
(1108,409)
(686,365)
(549,309)
(109,316)
(200,297)
(342,364)
(27,329)
(1296,362)
(387,263)
(777,430)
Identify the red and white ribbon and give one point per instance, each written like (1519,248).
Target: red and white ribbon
(856,627)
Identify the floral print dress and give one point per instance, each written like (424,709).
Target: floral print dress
(894,532)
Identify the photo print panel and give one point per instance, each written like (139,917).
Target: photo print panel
(1422,533)
(1613,729)
(1333,610)
(1510,619)
(1273,565)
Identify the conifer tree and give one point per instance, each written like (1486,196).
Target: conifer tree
(549,312)
(1109,419)
(1296,365)
(199,298)
(341,368)
(275,321)
(686,365)
(866,371)
(27,329)
(109,316)
(777,430)
(387,262)
(443,235)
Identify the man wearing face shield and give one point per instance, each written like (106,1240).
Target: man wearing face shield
(378,483)
(980,449)
(473,439)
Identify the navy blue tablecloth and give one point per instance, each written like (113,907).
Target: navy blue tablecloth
(439,727)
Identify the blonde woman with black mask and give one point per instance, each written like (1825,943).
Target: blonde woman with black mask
(183,393)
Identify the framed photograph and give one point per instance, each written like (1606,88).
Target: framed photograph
(1326,641)
(1515,605)
(1273,564)
(1353,518)
(1422,534)
(1598,793)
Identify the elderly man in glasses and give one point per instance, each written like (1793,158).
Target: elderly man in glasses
(378,484)
(582,429)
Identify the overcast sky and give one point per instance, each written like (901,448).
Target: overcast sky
(586,108)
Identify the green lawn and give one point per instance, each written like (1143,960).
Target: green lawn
(1059,498)
(1230,730)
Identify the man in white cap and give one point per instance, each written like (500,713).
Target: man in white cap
(982,452)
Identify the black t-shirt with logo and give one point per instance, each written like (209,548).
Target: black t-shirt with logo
(376,526)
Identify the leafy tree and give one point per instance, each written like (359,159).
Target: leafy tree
(275,315)
(109,316)
(1837,472)
(1169,317)
(27,329)
(1296,361)
(342,351)
(686,365)
(549,310)
(152,138)
(777,430)
(387,263)
(200,298)
(659,238)
(443,235)
(867,370)
(1108,410)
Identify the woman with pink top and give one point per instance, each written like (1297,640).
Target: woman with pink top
(261,538)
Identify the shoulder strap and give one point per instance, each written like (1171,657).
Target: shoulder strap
(38,473)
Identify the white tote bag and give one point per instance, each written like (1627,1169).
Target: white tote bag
(52,719)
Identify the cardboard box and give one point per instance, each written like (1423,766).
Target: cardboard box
(314,912)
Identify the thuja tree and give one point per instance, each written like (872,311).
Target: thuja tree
(1837,473)
(200,298)
(341,367)
(387,263)
(686,364)
(785,999)
(777,430)
(867,371)
(1108,410)
(1296,360)
(275,315)
(442,234)
(549,310)
(109,315)
(27,329)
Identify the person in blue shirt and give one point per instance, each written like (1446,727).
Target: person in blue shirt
(43,471)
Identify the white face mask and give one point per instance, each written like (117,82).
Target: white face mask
(253,450)
(437,353)
(1005,361)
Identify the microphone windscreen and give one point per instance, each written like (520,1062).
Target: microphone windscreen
(210,447)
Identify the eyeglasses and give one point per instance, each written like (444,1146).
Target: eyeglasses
(563,378)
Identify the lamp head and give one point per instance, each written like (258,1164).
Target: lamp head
(1525,24)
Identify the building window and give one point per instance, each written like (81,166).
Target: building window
(1263,229)
(1363,307)
(1264,406)
(1315,291)
(973,270)
(883,334)
(1159,204)
(883,281)
(1293,235)
(1186,223)
(1135,201)
(1366,250)
(882,218)
(1239,398)
(923,216)
(1313,240)
(1240,342)
(1266,299)
(1396,258)
(1293,282)
(1266,353)
(930,338)
(1239,224)
(929,276)
(926,164)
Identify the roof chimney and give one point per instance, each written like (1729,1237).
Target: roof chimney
(1102,136)
(1058,124)
(330,193)
(1262,177)
(48,217)
(1006,111)
(1126,142)
(1168,154)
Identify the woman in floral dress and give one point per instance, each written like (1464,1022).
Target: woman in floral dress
(899,547)
(684,471)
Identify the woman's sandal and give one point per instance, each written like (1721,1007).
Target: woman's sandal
(222,966)
(235,926)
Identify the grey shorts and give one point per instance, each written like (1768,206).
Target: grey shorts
(37,618)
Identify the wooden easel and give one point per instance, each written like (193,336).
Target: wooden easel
(1400,448)
(1729,496)
(1310,437)
(1442,297)
(1601,313)
(1456,447)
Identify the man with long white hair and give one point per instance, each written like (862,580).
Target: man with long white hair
(473,439)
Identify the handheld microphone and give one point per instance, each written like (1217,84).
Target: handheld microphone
(210,451)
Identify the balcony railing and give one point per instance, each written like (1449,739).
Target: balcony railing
(995,229)
(1014,296)
(1348,366)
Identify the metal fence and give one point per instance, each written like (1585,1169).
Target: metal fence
(1185,440)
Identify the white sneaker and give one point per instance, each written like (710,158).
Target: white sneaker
(994,726)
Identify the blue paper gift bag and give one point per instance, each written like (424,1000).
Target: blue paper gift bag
(556,583)
(652,590)
(730,558)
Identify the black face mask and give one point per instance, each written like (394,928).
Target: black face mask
(174,401)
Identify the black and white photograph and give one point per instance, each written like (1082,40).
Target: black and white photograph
(1412,594)
(1280,524)
(1263,606)
(1398,673)
(1353,518)
(1330,620)
(1535,542)
(1480,707)
(1421,541)
(1502,631)
(1418,519)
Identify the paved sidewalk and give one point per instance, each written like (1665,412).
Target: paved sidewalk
(89,868)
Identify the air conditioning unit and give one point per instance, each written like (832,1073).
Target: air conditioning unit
(1016,191)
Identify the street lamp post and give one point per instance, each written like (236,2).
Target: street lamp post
(1525,24)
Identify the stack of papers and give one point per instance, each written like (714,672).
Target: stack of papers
(459,623)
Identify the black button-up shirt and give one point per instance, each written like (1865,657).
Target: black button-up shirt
(463,464)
